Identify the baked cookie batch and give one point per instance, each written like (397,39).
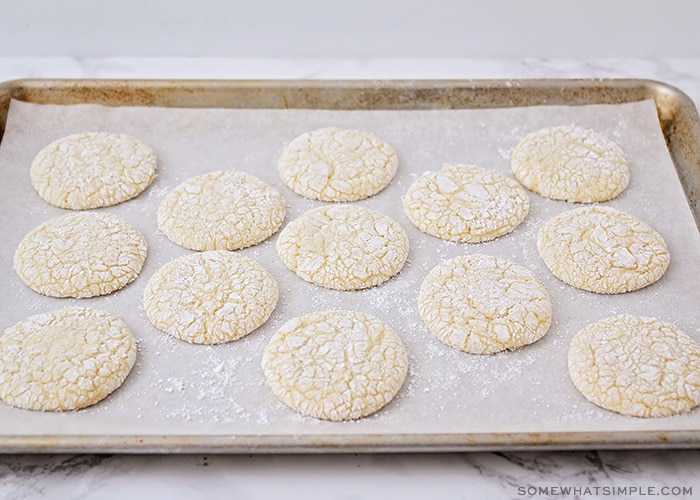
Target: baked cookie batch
(341,365)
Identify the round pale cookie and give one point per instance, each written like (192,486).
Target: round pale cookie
(224,210)
(343,247)
(64,360)
(571,164)
(641,367)
(92,170)
(80,255)
(335,164)
(465,203)
(602,250)
(482,304)
(210,297)
(335,365)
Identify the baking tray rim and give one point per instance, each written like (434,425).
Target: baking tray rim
(680,124)
(346,443)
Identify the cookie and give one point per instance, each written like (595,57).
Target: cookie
(482,304)
(465,203)
(335,164)
(602,250)
(64,360)
(225,210)
(335,365)
(343,247)
(571,164)
(210,297)
(92,170)
(80,255)
(636,366)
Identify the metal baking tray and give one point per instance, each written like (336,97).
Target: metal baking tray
(680,125)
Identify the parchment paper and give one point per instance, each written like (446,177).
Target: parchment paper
(178,388)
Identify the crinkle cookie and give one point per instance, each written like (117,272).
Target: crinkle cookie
(482,304)
(465,203)
(343,247)
(641,367)
(80,255)
(335,365)
(92,170)
(225,210)
(210,297)
(571,164)
(64,360)
(602,250)
(335,164)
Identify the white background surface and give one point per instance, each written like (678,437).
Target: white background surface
(392,39)
(351,28)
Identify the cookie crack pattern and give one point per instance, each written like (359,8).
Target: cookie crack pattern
(465,203)
(64,360)
(225,210)
(80,255)
(335,164)
(482,304)
(602,250)
(210,297)
(335,365)
(571,164)
(636,366)
(343,247)
(92,170)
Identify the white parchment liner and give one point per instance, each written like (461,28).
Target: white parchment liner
(177,388)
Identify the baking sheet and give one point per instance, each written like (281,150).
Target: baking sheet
(178,389)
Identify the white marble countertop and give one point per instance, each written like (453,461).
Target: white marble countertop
(589,474)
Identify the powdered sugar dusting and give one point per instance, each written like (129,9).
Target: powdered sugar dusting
(92,170)
(465,203)
(572,164)
(224,210)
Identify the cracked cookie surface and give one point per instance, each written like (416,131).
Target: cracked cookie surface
(210,297)
(92,170)
(482,304)
(64,360)
(225,210)
(336,164)
(335,365)
(571,164)
(80,255)
(465,203)
(602,250)
(636,366)
(343,247)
